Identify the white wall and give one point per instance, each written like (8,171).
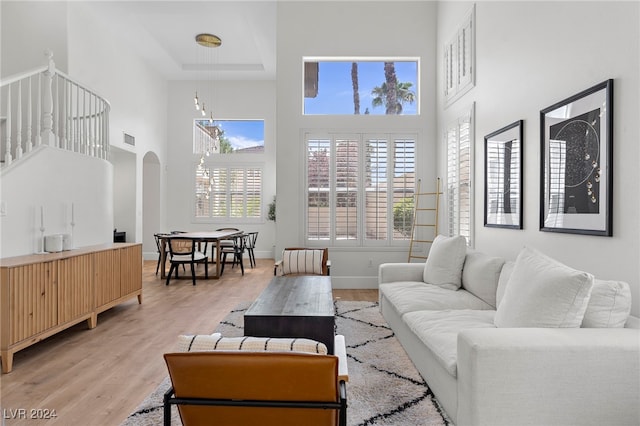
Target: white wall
(531,55)
(54,179)
(99,56)
(348,29)
(28,28)
(232,100)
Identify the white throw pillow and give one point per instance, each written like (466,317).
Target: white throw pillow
(444,263)
(543,292)
(215,342)
(609,305)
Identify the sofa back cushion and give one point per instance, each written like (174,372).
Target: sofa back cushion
(543,292)
(609,305)
(480,275)
(444,263)
(505,274)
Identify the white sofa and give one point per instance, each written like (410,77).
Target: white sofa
(520,371)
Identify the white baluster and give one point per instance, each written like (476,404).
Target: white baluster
(91,139)
(29,144)
(48,138)
(39,112)
(62,113)
(7,143)
(19,123)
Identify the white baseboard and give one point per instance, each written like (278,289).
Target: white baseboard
(360,282)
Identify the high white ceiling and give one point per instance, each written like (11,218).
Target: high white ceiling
(163,32)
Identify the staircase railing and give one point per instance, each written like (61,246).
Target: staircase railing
(44,106)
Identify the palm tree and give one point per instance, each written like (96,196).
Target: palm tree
(403,94)
(391,80)
(392,94)
(354,83)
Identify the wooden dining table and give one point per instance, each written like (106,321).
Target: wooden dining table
(198,237)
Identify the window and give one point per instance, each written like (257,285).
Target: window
(459,177)
(375,86)
(359,188)
(228,192)
(228,136)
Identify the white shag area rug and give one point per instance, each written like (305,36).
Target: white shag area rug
(384,387)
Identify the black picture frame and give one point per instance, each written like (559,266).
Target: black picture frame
(576,167)
(503,177)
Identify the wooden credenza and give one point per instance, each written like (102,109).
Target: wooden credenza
(42,294)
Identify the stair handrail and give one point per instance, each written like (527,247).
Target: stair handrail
(66,114)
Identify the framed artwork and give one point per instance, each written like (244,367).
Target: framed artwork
(576,139)
(503,177)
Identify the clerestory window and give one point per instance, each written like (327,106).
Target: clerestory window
(361,86)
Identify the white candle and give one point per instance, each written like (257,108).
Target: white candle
(72,215)
(41,217)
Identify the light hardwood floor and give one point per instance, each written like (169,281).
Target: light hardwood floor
(97,377)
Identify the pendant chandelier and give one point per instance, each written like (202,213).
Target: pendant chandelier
(210,132)
(210,41)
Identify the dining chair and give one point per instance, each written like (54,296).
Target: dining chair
(236,250)
(223,243)
(159,249)
(184,251)
(250,246)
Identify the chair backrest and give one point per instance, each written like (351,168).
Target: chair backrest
(300,260)
(158,245)
(252,237)
(238,377)
(181,246)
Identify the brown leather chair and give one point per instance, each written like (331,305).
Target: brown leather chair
(255,388)
(303,261)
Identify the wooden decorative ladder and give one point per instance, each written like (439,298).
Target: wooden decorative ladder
(426,206)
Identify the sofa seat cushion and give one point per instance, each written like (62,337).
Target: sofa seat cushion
(438,330)
(409,296)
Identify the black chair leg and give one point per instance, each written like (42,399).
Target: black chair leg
(193,273)
(170,272)
(158,265)
(223,260)
(239,258)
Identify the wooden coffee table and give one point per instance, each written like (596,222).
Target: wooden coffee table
(295,306)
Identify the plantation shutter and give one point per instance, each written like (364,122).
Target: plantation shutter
(318,185)
(375,204)
(346,193)
(404,180)
(459,175)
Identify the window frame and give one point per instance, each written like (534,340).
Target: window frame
(391,137)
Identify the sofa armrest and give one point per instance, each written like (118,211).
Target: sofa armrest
(392,272)
(548,376)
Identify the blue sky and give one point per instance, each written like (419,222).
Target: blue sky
(335,91)
(243,133)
